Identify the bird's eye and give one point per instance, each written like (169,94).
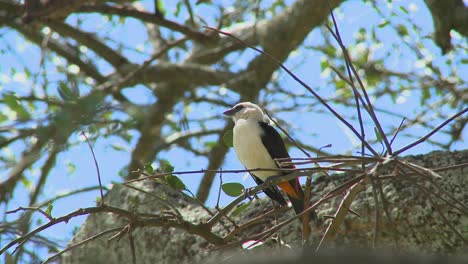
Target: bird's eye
(238,107)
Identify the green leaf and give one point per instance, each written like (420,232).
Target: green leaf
(233,189)
(66,93)
(175,183)
(71,167)
(27,72)
(402,8)
(118,147)
(203,2)
(27,183)
(211,144)
(383,24)
(49,208)
(165,166)
(377,135)
(178,8)
(425,94)
(148,168)
(228,138)
(241,208)
(161,8)
(324,64)
(3,118)
(123,172)
(13,103)
(402,30)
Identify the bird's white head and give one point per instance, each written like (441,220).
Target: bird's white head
(246,110)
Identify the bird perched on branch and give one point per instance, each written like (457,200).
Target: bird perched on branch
(257,145)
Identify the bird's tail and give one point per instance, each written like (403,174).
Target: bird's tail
(295,194)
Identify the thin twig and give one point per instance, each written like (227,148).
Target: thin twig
(398,130)
(299,172)
(439,127)
(219,189)
(349,64)
(351,79)
(38,209)
(97,167)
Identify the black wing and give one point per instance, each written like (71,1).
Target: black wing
(276,148)
(274,143)
(272,192)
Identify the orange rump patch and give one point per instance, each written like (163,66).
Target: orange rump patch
(289,189)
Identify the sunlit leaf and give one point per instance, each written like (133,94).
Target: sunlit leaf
(67,93)
(324,64)
(71,167)
(378,136)
(148,167)
(27,183)
(402,8)
(11,100)
(425,94)
(233,189)
(383,24)
(118,147)
(165,166)
(239,209)
(3,118)
(210,144)
(161,8)
(49,208)
(402,30)
(175,183)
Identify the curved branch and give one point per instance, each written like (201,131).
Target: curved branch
(88,40)
(126,11)
(63,49)
(180,76)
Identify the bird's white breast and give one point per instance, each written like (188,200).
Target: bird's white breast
(250,149)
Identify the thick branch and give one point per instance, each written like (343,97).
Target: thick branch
(448,15)
(88,40)
(126,11)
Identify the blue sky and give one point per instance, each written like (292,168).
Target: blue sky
(324,128)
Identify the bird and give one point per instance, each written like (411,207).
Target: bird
(257,144)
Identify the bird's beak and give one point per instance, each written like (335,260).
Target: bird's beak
(229,112)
